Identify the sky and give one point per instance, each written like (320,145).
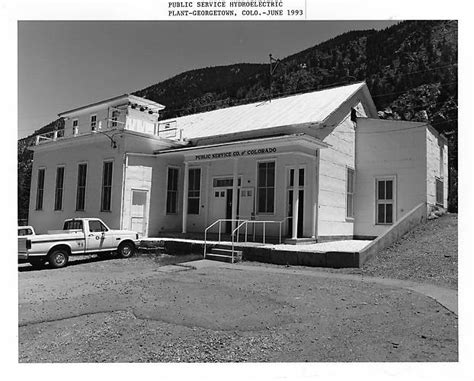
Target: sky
(68,64)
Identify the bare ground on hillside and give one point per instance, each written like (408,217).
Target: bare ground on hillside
(428,254)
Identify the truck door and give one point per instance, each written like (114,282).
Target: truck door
(97,237)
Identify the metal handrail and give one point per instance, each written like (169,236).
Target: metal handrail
(233,234)
(220,230)
(237,229)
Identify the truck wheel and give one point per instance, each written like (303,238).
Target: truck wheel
(37,262)
(126,250)
(58,258)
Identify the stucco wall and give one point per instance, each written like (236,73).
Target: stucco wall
(388,148)
(70,155)
(435,168)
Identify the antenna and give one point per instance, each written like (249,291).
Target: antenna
(273,65)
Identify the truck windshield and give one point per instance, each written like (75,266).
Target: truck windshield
(69,225)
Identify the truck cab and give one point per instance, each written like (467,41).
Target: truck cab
(79,236)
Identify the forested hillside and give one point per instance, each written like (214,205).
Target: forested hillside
(410,69)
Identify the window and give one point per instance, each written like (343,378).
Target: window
(266,187)
(106,186)
(72,225)
(350,193)
(301,177)
(172,191)
(93,122)
(75,126)
(40,189)
(115,114)
(96,226)
(225,182)
(58,194)
(81,187)
(291,177)
(194,190)
(24,231)
(385,201)
(439,192)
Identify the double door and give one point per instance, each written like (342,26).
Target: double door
(295,199)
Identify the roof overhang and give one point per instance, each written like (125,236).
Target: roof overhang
(245,147)
(114,101)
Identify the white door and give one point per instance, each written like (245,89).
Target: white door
(97,238)
(139,218)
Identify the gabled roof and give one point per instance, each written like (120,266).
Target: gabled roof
(308,108)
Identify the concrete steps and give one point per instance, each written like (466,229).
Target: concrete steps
(224,254)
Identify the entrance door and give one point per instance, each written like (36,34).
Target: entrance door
(300,213)
(138,211)
(228,208)
(298,187)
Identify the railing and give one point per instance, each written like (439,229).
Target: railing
(51,136)
(236,231)
(220,230)
(255,222)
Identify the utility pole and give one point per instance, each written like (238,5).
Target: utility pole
(273,65)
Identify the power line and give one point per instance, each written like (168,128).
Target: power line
(318,87)
(413,88)
(400,129)
(426,71)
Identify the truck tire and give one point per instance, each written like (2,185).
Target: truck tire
(58,258)
(37,263)
(126,250)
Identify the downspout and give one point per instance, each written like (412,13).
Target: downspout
(124,173)
(354,121)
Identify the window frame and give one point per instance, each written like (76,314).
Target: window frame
(58,201)
(93,123)
(351,216)
(75,126)
(40,199)
(176,192)
(79,187)
(392,201)
(114,117)
(441,182)
(198,197)
(257,195)
(106,188)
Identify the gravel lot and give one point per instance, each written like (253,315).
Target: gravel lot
(137,310)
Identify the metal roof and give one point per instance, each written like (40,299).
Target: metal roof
(313,107)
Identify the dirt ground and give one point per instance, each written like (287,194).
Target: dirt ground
(137,310)
(427,254)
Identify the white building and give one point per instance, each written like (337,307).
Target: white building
(322,163)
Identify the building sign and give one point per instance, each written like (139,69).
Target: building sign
(223,155)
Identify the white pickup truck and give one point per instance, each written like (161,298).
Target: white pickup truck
(79,236)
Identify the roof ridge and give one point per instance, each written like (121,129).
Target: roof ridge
(265,101)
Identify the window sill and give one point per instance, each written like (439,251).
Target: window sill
(350,219)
